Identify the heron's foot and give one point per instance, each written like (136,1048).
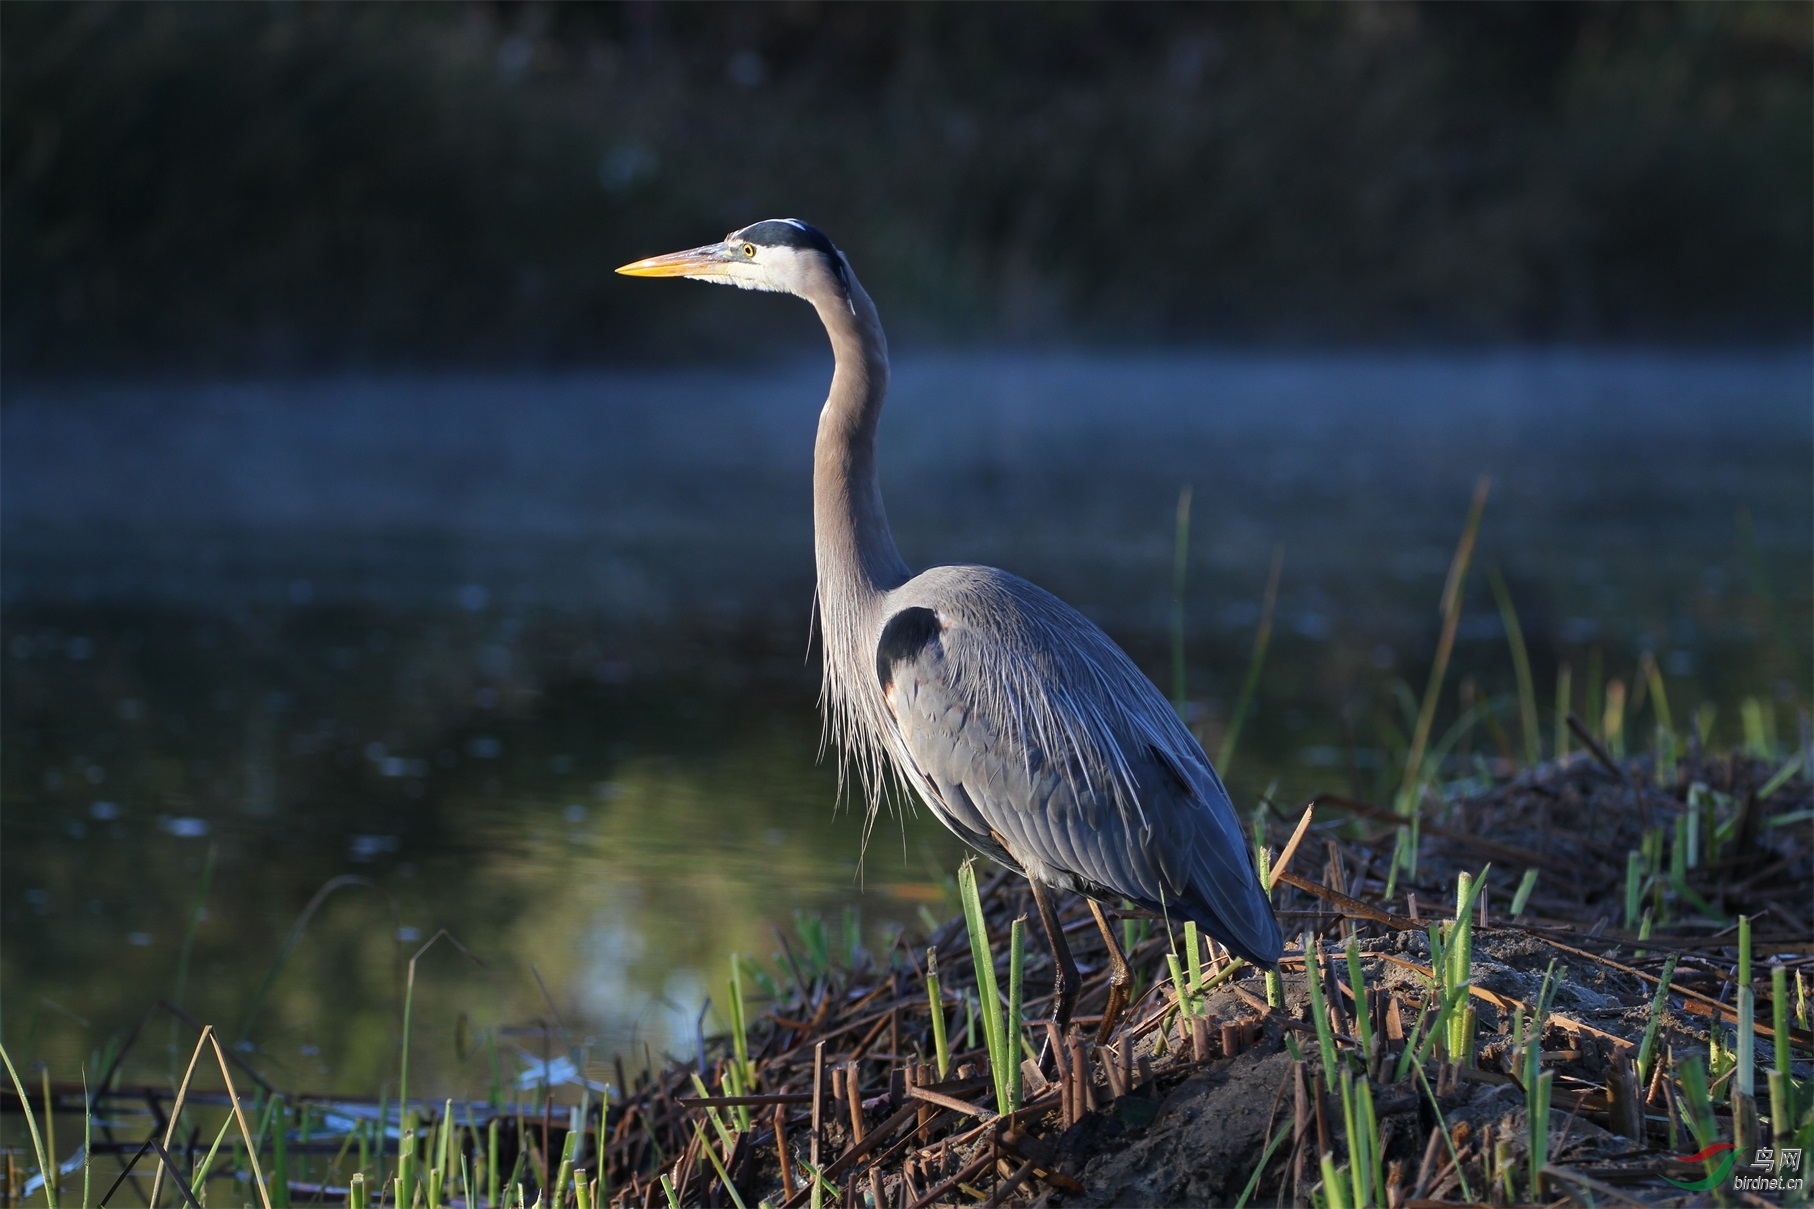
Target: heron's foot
(1119,976)
(1111,1013)
(1064,1002)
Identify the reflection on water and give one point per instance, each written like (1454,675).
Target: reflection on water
(298,675)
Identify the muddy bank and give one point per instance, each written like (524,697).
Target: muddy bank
(1417,1089)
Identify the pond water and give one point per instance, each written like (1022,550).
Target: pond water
(297,675)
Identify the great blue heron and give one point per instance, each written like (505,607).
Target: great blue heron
(1018,722)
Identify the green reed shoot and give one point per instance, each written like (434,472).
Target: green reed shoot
(199,1180)
(1565,675)
(1253,1181)
(1595,691)
(1522,897)
(1458,965)
(1539,1084)
(565,1169)
(1185,1006)
(742,1070)
(1780,778)
(941,1047)
(1366,1164)
(1002,1054)
(820,1186)
(469,1149)
(46,1168)
(362,1135)
(1357,1143)
(1719,1055)
(1696,1104)
(443,1148)
(1634,887)
(492,1140)
(1448,1138)
(407,1162)
(1422,1029)
(87,1142)
(55,1176)
(280,1137)
(1262,639)
(814,944)
(1782,1086)
(197,913)
(711,1153)
(1521,668)
(1659,705)
(1334,1194)
(1500,1176)
(1319,1011)
(1363,1013)
(1017,961)
(712,1114)
(1612,723)
(1647,1047)
(1744,1079)
(1760,728)
(1704,715)
(1414,768)
(409,1003)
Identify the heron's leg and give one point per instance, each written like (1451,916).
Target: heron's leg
(1064,968)
(1119,976)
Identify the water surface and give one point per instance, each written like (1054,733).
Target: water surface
(331,666)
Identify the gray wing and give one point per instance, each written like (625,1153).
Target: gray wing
(1032,735)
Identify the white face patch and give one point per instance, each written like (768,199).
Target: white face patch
(765,256)
(776,269)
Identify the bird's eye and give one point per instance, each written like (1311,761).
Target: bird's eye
(749,249)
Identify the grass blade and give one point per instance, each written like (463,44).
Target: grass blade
(31,1123)
(1521,668)
(1439,666)
(1017,944)
(988,992)
(941,1046)
(1262,638)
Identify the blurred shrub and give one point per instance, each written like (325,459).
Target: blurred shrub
(295,186)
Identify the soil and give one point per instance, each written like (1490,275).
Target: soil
(1194,1109)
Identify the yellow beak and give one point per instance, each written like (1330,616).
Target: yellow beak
(707,261)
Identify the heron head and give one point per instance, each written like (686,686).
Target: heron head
(780,254)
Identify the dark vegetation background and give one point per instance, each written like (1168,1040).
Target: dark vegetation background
(315,556)
(229,188)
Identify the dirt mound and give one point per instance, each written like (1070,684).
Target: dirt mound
(1379,1060)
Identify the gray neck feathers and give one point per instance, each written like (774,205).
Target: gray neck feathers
(857,559)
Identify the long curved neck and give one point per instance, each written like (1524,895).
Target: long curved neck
(857,558)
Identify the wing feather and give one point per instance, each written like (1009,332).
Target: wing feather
(1018,716)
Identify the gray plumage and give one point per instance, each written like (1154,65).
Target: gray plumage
(1018,722)
(1021,718)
